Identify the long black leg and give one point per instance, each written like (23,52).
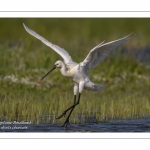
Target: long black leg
(74,99)
(67,120)
(64,113)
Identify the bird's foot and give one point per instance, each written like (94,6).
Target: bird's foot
(63,114)
(66,123)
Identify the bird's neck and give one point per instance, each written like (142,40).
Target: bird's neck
(63,70)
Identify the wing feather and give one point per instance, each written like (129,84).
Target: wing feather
(100,52)
(63,53)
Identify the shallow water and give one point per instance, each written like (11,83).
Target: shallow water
(129,125)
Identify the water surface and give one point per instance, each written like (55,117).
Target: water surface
(129,125)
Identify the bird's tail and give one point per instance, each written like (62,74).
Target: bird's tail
(93,87)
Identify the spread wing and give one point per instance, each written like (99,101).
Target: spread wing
(63,53)
(100,52)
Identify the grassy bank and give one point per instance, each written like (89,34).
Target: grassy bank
(24,59)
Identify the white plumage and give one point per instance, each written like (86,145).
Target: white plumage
(78,72)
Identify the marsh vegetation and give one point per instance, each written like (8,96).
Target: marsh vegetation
(24,59)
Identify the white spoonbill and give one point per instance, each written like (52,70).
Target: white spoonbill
(78,72)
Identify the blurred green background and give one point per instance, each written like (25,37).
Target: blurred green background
(24,59)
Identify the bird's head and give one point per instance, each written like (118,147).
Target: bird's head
(58,64)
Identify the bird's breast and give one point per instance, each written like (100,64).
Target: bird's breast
(69,73)
(76,73)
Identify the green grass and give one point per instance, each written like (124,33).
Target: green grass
(24,59)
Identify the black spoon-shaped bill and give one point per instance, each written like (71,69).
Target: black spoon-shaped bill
(46,74)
